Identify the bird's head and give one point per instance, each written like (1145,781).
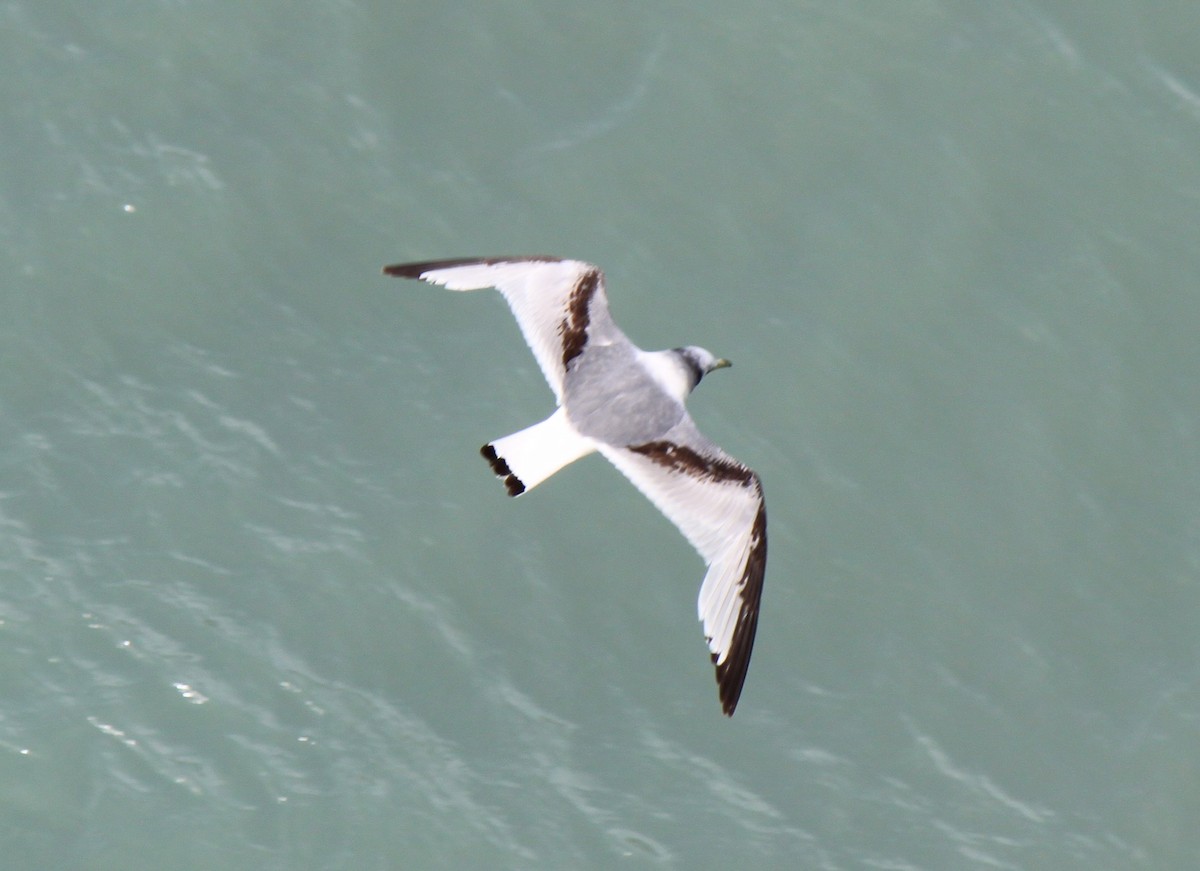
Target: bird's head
(700,362)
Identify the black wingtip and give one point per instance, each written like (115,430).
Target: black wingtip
(729,683)
(419,268)
(405,270)
(731,674)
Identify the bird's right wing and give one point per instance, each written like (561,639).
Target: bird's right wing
(560,305)
(717,503)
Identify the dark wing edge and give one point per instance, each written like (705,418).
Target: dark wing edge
(731,674)
(420,267)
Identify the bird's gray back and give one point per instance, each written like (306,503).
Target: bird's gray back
(609,396)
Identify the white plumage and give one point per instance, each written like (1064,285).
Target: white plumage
(628,404)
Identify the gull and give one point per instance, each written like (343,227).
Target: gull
(628,405)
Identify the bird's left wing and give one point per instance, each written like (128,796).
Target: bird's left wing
(560,305)
(717,503)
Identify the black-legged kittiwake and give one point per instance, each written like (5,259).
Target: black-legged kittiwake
(628,404)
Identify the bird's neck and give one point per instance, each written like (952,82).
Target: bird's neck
(668,370)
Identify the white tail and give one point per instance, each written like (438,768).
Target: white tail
(527,458)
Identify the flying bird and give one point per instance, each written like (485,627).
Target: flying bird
(628,404)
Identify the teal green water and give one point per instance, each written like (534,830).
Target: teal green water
(262,606)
